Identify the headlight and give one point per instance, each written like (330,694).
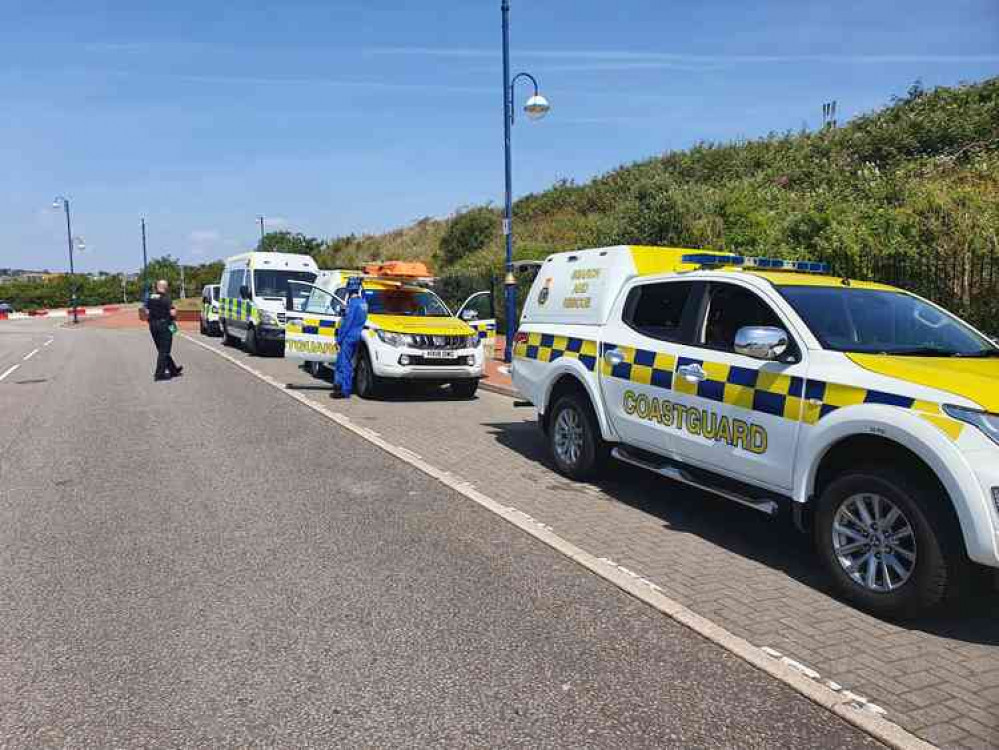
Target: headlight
(269,318)
(473,341)
(392,338)
(987,423)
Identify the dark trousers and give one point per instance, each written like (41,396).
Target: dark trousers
(163,339)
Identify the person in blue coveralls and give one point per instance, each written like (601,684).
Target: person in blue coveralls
(347,336)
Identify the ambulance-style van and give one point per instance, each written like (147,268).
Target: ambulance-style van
(254,293)
(410,335)
(870,413)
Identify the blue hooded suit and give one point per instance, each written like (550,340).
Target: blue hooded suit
(348,334)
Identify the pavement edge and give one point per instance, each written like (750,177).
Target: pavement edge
(843,705)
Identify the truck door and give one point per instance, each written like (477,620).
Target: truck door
(479,312)
(638,359)
(737,414)
(313,315)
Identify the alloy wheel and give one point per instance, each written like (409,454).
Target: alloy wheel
(874,542)
(569,436)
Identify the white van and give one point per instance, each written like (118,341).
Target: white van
(254,294)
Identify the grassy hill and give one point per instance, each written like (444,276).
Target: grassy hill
(923,170)
(918,177)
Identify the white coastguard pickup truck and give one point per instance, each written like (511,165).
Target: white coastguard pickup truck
(870,413)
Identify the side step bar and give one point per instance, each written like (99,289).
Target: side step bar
(674,472)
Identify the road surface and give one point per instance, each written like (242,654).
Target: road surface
(205,563)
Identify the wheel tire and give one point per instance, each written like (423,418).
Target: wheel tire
(202,327)
(227,338)
(464,388)
(251,345)
(572,419)
(366,383)
(936,549)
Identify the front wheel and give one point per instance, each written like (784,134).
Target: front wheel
(252,347)
(227,338)
(885,542)
(574,438)
(366,383)
(464,388)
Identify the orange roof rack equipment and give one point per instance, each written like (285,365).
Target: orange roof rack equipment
(398,269)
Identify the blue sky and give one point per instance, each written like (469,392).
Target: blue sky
(335,117)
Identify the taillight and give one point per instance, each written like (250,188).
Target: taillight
(520,337)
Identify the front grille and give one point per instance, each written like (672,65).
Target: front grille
(424,341)
(429,362)
(281,318)
(995,497)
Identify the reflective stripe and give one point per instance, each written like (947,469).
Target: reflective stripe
(786,396)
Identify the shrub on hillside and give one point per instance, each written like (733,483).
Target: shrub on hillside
(468,232)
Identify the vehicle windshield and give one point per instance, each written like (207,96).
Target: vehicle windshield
(274,283)
(874,321)
(417,303)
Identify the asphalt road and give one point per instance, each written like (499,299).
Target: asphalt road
(205,563)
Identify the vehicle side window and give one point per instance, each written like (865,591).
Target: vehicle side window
(235,282)
(320,302)
(658,310)
(731,307)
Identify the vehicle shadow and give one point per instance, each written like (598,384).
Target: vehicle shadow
(972,618)
(389,392)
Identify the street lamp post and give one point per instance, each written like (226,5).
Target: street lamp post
(145,262)
(261,220)
(536,108)
(63,202)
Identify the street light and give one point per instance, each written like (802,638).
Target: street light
(535,108)
(145,277)
(261,220)
(63,203)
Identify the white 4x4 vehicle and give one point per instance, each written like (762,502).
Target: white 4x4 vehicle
(869,412)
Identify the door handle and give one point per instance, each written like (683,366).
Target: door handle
(692,373)
(613,357)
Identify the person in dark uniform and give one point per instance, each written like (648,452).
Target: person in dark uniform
(161,314)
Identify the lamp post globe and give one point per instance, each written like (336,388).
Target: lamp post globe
(537,107)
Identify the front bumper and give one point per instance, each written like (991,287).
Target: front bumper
(987,472)
(386,363)
(270,333)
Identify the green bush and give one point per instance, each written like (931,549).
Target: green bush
(467,233)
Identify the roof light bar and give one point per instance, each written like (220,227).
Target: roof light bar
(768,264)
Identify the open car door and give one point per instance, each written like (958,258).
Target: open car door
(480,313)
(313,315)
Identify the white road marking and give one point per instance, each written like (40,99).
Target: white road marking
(8,372)
(30,354)
(48,342)
(843,704)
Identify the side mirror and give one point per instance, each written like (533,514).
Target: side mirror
(761,342)
(469,315)
(289,301)
(244,292)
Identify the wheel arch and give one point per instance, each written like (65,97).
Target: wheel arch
(860,450)
(568,380)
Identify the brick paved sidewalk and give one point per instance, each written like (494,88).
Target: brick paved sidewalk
(936,677)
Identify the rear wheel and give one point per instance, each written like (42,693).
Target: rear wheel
(201,326)
(464,388)
(886,543)
(366,383)
(574,438)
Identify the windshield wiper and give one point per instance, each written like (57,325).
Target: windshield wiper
(981,354)
(923,351)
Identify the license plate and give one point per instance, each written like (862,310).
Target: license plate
(440,355)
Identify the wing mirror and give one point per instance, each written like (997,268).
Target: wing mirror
(761,342)
(469,315)
(244,292)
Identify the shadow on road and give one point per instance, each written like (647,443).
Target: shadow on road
(771,542)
